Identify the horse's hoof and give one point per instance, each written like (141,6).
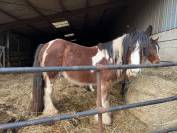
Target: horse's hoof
(50,112)
(106,118)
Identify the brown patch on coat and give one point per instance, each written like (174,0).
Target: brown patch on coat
(64,53)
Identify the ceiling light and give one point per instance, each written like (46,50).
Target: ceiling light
(61,24)
(74,40)
(69,35)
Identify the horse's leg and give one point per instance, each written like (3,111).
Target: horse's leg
(122,89)
(49,108)
(91,88)
(123,84)
(105,92)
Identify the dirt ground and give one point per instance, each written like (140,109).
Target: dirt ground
(15,94)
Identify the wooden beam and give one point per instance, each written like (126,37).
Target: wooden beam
(63,8)
(101,20)
(87,4)
(66,14)
(32,6)
(20,21)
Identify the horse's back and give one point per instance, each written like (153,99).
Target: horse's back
(60,52)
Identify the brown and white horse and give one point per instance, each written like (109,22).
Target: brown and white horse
(131,48)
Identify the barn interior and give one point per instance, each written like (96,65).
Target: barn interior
(25,24)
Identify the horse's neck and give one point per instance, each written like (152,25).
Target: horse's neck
(118,48)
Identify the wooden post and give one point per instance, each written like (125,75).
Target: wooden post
(4,58)
(8,48)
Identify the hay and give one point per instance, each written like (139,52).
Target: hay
(15,96)
(16,90)
(154,84)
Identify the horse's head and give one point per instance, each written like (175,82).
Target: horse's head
(153,51)
(138,47)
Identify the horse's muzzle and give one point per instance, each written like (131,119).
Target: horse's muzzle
(157,61)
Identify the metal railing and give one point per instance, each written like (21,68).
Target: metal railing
(99,110)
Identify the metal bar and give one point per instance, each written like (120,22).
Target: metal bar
(85,113)
(168,40)
(99,102)
(171,129)
(81,68)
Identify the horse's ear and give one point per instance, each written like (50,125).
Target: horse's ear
(156,39)
(149,30)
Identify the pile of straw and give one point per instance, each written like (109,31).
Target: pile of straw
(155,84)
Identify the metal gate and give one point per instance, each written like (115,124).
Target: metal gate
(99,110)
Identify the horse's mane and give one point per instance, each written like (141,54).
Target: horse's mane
(108,46)
(130,41)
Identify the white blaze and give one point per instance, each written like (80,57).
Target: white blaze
(135,59)
(135,56)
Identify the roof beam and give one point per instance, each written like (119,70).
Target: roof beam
(32,6)
(20,21)
(86,15)
(62,5)
(101,20)
(67,14)
(67,17)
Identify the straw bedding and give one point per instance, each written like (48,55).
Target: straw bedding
(15,94)
(155,84)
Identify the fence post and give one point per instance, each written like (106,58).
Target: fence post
(99,102)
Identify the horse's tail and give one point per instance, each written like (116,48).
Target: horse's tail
(38,85)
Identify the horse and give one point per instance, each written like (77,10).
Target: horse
(152,56)
(132,48)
